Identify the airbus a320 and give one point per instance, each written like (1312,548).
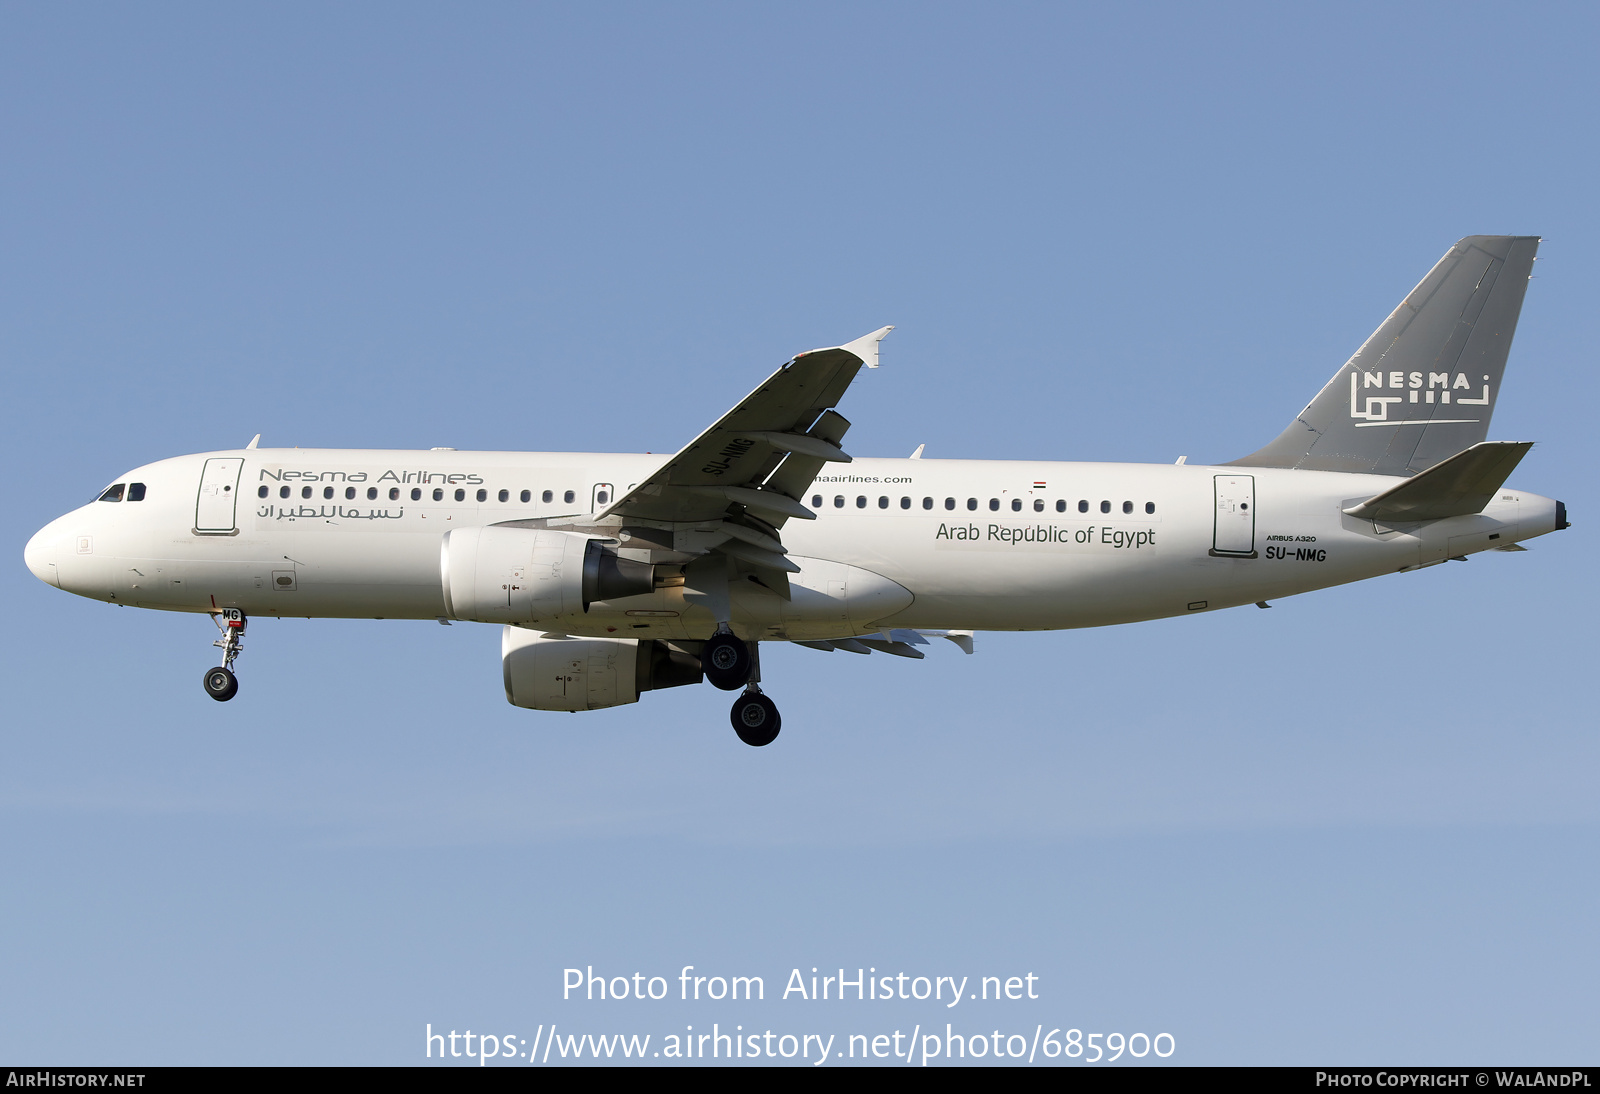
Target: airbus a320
(614,575)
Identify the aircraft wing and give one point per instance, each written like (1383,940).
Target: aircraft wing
(759,458)
(732,488)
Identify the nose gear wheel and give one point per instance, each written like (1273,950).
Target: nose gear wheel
(221,684)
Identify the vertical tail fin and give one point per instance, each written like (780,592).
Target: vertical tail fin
(1423,387)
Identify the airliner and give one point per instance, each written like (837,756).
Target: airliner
(617,574)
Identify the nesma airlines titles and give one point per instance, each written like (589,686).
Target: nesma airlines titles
(617,574)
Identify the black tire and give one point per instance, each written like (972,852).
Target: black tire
(755,719)
(726,661)
(221,684)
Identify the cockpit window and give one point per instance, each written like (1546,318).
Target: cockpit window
(136,491)
(114,493)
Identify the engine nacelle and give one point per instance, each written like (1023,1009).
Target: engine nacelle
(530,575)
(560,672)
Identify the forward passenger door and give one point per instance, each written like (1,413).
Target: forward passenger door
(219,491)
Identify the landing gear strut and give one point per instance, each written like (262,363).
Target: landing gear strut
(220,683)
(729,662)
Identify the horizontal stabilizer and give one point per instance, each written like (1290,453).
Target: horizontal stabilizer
(1463,484)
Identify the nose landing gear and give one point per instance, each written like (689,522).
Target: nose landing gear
(220,683)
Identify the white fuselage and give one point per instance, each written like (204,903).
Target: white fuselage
(991,545)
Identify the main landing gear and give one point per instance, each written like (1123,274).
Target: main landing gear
(730,662)
(220,683)
(727,662)
(755,718)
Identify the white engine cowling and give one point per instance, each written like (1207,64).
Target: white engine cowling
(500,574)
(561,672)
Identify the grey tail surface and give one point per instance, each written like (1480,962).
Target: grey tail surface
(1423,387)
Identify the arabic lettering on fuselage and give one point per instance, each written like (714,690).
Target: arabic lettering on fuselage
(326,512)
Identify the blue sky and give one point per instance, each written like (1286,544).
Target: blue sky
(1358,828)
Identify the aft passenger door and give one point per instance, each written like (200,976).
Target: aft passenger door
(219,490)
(1234,532)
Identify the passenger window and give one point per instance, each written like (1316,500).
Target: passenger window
(394,493)
(305,491)
(113,493)
(816,501)
(1016,505)
(526,496)
(949,503)
(136,491)
(861,501)
(1061,506)
(1038,505)
(602,498)
(416,494)
(283,491)
(461,495)
(548,496)
(838,501)
(349,492)
(1127,507)
(994,504)
(883,502)
(1149,507)
(1105,507)
(568,497)
(972,503)
(927,503)
(438,494)
(483,495)
(504,495)
(905,503)
(261,493)
(327,492)
(372,493)
(1083,507)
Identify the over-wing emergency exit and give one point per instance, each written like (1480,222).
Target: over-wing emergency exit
(617,574)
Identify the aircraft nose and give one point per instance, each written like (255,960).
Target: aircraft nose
(41,554)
